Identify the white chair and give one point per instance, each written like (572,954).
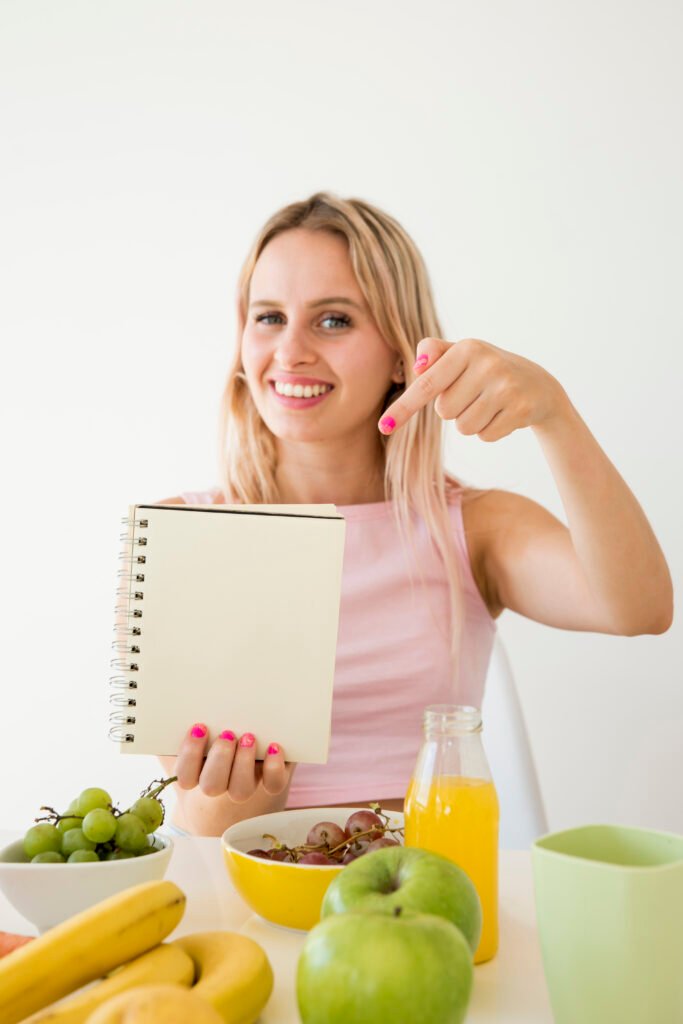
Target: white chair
(522,815)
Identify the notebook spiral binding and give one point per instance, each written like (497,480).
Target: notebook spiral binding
(127,629)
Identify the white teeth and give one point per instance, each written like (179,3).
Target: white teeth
(300,390)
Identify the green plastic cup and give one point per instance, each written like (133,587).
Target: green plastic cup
(609,906)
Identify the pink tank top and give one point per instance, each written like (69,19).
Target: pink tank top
(392,659)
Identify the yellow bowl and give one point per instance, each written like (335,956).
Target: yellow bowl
(285,894)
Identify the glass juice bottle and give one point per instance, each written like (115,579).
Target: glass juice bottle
(451,807)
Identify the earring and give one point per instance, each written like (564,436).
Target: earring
(400,373)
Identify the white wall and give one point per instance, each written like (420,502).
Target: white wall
(533,151)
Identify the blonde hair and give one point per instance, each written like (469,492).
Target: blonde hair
(393,279)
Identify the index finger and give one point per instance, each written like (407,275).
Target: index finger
(444,372)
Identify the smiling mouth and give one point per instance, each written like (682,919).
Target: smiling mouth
(300,390)
(299,396)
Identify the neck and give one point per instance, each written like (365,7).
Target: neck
(341,474)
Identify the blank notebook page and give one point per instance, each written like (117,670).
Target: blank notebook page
(240,610)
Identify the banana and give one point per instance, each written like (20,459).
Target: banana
(154,1004)
(233,973)
(165,964)
(87,946)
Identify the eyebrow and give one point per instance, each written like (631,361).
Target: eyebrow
(330,300)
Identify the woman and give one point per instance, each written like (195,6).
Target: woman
(339,387)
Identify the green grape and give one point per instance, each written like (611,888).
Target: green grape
(48,857)
(99,825)
(42,839)
(119,855)
(73,840)
(149,811)
(65,824)
(92,798)
(130,833)
(82,857)
(70,819)
(148,849)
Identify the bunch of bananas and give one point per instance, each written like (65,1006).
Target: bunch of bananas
(208,978)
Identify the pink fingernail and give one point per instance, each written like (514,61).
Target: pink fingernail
(199,731)
(247,740)
(273,749)
(387,424)
(420,362)
(227,735)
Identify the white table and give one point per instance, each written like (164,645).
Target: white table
(510,989)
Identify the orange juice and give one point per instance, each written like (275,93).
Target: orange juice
(457,816)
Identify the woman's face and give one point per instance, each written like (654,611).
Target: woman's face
(317,367)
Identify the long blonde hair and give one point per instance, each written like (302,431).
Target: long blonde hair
(393,279)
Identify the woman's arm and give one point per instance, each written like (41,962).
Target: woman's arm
(606,573)
(614,548)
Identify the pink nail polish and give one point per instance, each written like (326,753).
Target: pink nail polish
(247,740)
(420,362)
(199,731)
(273,749)
(387,424)
(227,734)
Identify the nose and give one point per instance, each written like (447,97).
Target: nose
(293,348)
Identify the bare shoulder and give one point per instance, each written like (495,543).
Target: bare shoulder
(488,510)
(490,507)
(499,525)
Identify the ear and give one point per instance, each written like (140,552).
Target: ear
(399,375)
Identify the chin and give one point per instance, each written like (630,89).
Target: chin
(297,426)
(303,433)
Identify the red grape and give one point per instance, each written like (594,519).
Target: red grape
(325,832)
(364,821)
(259,853)
(377,844)
(315,857)
(280,855)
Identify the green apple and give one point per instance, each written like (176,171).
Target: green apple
(411,878)
(360,968)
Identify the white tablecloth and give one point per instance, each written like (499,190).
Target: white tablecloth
(510,989)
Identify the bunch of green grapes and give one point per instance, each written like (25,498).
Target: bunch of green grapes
(93,829)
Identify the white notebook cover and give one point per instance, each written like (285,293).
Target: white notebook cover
(240,612)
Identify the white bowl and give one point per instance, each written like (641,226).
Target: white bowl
(46,894)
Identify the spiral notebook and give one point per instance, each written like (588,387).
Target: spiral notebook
(227,615)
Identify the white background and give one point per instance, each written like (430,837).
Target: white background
(533,151)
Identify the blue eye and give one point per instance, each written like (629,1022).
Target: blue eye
(265,316)
(341,320)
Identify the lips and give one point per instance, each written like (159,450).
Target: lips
(291,378)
